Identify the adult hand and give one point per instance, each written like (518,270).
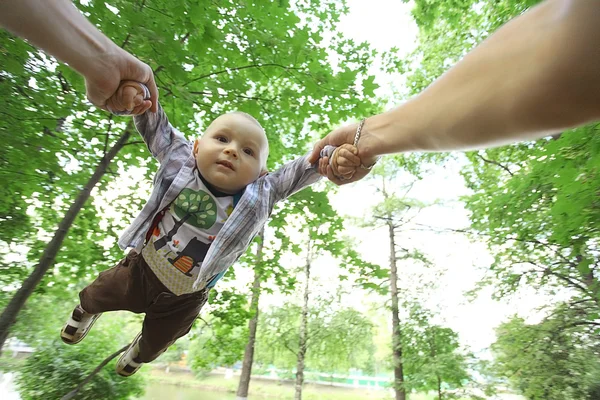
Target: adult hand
(60,29)
(338,137)
(103,82)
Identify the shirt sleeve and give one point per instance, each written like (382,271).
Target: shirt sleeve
(157,132)
(295,175)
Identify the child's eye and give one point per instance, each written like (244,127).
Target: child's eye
(222,139)
(249,152)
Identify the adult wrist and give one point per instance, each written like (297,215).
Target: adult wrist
(102,59)
(371,146)
(399,130)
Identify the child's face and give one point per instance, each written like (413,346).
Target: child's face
(232,153)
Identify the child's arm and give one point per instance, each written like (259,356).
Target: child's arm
(298,174)
(154,128)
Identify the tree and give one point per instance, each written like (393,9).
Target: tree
(303,333)
(225,324)
(322,228)
(245,376)
(555,359)
(535,204)
(553,228)
(338,339)
(269,268)
(448,30)
(207,60)
(433,358)
(308,212)
(395,213)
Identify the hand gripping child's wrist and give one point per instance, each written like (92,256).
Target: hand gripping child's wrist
(128,112)
(332,152)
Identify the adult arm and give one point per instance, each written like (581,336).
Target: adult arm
(537,75)
(57,27)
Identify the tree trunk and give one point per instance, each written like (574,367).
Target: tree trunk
(589,280)
(243,386)
(9,315)
(303,330)
(433,353)
(162,242)
(396,333)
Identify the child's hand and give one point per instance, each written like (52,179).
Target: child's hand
(132,98)
(344,162)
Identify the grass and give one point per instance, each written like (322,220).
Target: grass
(264,389)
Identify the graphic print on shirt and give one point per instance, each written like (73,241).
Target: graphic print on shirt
(183,234)
(191,256)
(197,208)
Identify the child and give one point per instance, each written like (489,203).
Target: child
(210,198)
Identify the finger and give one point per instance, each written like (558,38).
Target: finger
(346,172)
(138,100)
(153,91)
(146,105)
(130,94)
(118,99)
(137,110)
(350,147)
(331,176)
(323,163)
(110,105)
(132,89)
(316,152)
(115,104)
(347,158)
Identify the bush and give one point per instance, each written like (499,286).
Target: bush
(55,369)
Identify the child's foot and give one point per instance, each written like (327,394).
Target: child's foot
(129,362)
(78,325)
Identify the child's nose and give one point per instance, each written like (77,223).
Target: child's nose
(231,152)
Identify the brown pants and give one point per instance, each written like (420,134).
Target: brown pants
(132,286)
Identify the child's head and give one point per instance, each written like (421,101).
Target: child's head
(233,152)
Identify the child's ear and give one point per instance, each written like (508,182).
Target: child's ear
(196,144)
(263,172)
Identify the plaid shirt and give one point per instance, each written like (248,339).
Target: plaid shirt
(177,163)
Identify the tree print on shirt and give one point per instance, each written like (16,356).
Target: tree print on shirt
(197,208)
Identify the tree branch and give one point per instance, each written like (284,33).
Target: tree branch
(126,41)
(285,344)
(548,271)
(88,378)
(135,142)
(495,163)
(580,323)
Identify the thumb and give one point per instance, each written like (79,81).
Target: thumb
(316,152)
(342,135)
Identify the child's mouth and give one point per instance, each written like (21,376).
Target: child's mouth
(226,163)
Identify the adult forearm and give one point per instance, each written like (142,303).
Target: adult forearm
(60,29)
(537,75)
